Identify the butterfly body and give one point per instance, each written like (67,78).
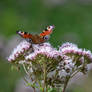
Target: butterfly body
(37,38)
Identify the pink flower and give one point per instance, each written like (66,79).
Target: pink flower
(72,49)
(19,50)
(44,49)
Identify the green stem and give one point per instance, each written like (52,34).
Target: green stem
(28,75)
(34,89)
(75,73)
(44,85)
(66,83)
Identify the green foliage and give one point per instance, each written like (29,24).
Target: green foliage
(73,21)
(52,90)
(13,67)
(32,85)
(7,77)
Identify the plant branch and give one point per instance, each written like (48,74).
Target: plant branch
(66,83)
(44,85)
(28,75)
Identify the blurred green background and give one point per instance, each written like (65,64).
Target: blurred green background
(72,20)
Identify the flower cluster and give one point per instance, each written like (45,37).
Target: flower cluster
(46,65)
(44,49)
(19,51)
(69,48)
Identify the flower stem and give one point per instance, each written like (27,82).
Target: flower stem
(34,89)
(44,85)
(28,75)
(66,83)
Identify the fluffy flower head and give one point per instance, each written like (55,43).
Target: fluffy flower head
(19,50)
(44,49)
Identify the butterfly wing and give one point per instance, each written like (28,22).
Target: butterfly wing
(37,39)
(47,31)
(24,34)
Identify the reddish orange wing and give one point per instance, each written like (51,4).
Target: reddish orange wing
(24,35)
(47,31)
(37,39)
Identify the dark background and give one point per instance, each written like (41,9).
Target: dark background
(72,20)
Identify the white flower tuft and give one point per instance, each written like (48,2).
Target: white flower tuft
(87,54)
(67,44)
(20,49)
(45,49)
(69,48)
(31,56)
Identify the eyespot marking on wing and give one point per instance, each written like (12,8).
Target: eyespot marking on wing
(25,35)
(47,31)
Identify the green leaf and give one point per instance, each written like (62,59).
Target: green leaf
(52,90)
(32,85)
(13,67)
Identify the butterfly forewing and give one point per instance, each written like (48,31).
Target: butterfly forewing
(25,35)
